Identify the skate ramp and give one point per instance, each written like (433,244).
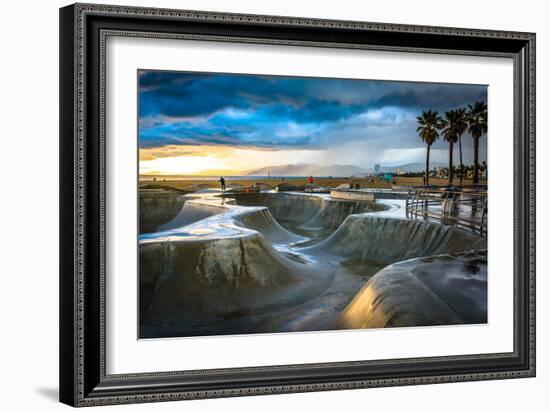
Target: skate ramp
(198,208)
(241,265)
(308,215)
(196,286)
(191,212)
(368,237)
(261,220)
(156,209)
(445,289)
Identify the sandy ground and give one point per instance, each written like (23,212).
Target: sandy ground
(167,181)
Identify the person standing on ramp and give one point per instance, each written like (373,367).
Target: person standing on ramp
(222,183)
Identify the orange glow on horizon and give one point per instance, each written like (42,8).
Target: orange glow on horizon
(217,160)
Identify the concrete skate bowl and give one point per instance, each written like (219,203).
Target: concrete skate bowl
(170,210)
(229,285)
(221,266)
(158,207)
(308,215)
(388,240)
(440,290)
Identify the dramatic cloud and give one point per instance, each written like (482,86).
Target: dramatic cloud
(179,110)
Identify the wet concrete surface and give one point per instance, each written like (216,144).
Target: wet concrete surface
(278,262)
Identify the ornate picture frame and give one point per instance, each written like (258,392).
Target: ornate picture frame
(84,29)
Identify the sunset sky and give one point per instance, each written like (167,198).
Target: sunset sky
(224,124)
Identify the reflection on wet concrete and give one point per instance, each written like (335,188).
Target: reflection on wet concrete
(444,289)
(275,262)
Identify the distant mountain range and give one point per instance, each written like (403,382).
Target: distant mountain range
(308,169)
(335,170)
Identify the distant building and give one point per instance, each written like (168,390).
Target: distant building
(376,168)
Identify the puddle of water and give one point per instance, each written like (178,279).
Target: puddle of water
(363,268)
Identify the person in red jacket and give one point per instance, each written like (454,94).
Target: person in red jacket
(310,179)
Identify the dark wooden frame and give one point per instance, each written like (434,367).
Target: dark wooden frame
(83,30)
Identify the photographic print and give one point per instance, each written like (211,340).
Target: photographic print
(272,204)
(279,188)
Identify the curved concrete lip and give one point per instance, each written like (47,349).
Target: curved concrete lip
(277,262)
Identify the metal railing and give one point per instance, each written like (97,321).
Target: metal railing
(465,207)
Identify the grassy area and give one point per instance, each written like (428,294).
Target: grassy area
(322,182)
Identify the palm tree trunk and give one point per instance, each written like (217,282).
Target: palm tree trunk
(475,178)
(461,164)
(451,162)
(428,164)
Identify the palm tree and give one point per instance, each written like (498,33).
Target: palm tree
(461,125)
(430,122)
(453,127)
(477,122)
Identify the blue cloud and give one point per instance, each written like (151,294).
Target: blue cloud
(271,111)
